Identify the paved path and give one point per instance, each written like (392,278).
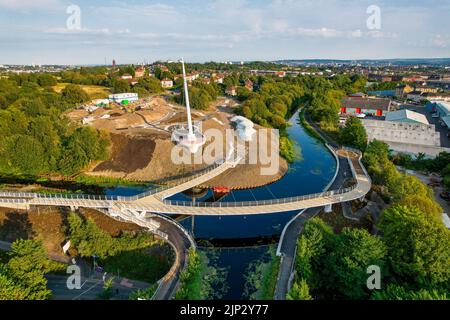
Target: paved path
(177,239)
(289,241)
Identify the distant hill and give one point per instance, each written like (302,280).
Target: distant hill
(395,62)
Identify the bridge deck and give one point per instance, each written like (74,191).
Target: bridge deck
(153,202)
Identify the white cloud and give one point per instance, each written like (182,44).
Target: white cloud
(86,31)
(440,41)
(27,5)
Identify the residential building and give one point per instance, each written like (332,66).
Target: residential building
(218,78)
(140,72)
(231,91)
(426,89)
(166,83)
(127,76)
(249,85)
(402,91)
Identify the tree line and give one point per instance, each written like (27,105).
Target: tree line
(411,247)
(37,138)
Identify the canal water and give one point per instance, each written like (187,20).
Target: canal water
(310,173)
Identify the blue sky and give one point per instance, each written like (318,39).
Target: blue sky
(35,31)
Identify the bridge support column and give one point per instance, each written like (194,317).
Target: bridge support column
(328,208)
(73,208)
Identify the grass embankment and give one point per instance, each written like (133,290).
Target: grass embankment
(262,276)
(106,181)
(308,128)
(191,277)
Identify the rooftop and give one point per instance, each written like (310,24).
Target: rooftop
(406,115)
(367,103)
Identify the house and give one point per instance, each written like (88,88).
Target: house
(379,78)
(402,91)
(139,73)
(166,83)
(218,78)
(249,85)
(127,76)
(425,89)
(357,105)
(192,76)
(231,91)
(407,116)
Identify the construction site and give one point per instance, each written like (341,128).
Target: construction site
(140,133)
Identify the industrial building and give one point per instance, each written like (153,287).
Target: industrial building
(378,107)
(124,98)
(407,116)
(442,110)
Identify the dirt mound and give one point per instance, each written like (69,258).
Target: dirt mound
(128,154)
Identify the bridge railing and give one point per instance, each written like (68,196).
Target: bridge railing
(260,202)
(81,196)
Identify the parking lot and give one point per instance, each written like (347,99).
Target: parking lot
(445,140)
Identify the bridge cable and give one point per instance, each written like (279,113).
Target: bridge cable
(270,191)
(252,194)
(233,196)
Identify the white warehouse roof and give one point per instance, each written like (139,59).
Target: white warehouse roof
(406,116)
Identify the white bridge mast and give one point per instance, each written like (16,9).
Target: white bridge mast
(191,135)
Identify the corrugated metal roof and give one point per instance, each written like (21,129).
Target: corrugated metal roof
(366,103)
(405,114)
(446,121)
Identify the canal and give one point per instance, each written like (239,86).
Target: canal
(310,173)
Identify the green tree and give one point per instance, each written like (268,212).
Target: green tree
(417,246)
(74,94)
(23,276)
(354,134)
(354,251)
(299,291)
(395,292)
(424,203)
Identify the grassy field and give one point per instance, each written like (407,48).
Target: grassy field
(107,181)
(95,92)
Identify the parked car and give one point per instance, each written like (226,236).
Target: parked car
(445,195)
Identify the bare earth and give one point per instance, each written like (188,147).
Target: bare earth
(141,143)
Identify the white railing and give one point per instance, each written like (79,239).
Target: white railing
(260,202)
